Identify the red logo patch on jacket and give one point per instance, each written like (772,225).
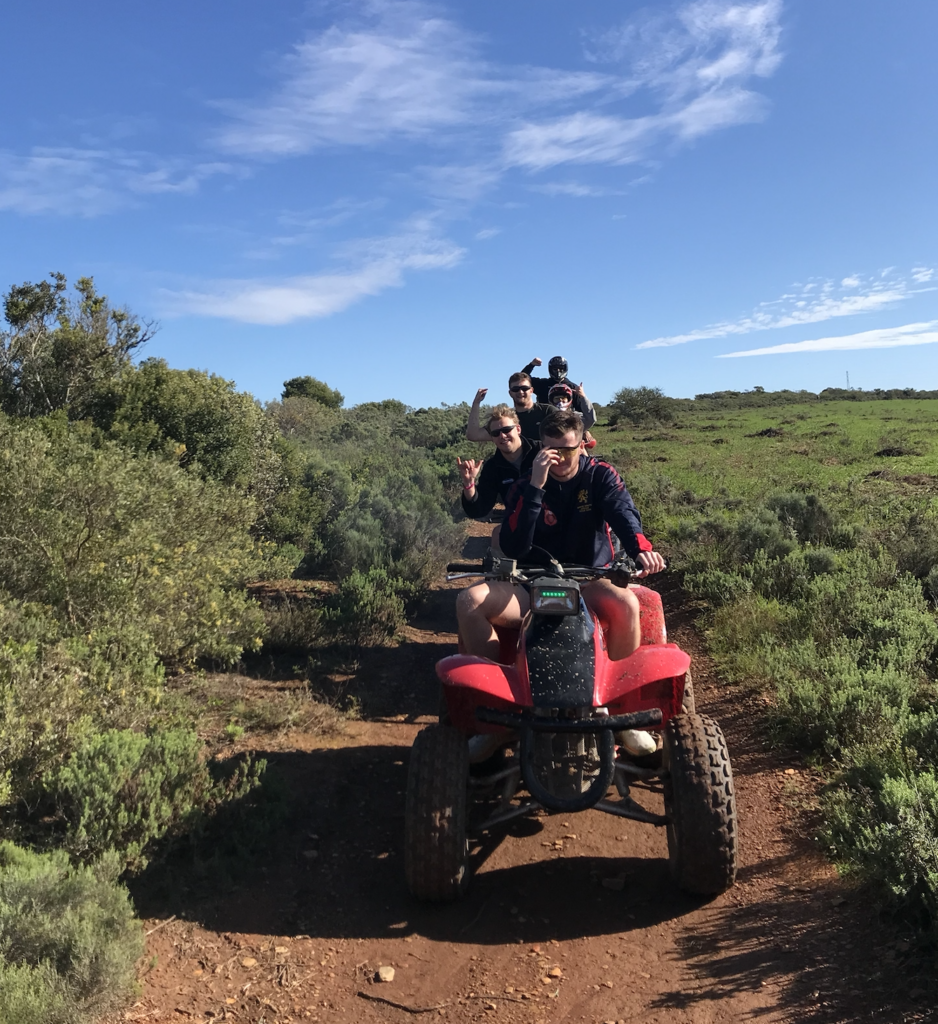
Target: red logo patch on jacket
(549,518)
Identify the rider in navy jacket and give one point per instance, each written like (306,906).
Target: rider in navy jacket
(571,519)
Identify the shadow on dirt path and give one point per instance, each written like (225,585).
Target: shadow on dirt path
(569,918)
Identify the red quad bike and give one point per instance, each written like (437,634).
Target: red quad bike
(556,703)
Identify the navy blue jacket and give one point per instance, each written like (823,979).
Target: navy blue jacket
(573,519)
(497,476)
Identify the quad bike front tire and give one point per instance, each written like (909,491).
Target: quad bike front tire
(688,705)
(700,802)
(436,852)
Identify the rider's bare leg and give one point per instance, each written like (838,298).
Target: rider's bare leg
(618,607)
(482,607)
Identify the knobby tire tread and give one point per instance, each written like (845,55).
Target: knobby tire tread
(435,849)
(701,801)
(689,705)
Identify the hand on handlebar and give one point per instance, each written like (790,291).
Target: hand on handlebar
(650,562)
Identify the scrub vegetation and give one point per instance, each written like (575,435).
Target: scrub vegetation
(809,525)
(141,508)
(160,528)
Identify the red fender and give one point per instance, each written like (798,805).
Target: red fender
(651,677)
(470,682)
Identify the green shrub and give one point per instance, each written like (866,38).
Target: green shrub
(122,791)
(68,939)
(293,624)
(886,829)
(197,417)
(805,515)
(132,553)
(312,390)
(641,405)
(367,608)
(718,587)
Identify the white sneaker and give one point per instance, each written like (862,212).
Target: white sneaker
(637,742)
(482,747)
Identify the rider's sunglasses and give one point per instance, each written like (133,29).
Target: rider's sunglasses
(501,430)
(521,389)
(566,453)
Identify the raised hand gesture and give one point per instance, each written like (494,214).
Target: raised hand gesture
(469,470)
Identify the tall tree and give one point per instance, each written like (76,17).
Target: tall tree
(58,352)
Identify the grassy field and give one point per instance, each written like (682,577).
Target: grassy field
(825,446)
(812,532)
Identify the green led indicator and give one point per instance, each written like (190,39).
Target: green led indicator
(553,593)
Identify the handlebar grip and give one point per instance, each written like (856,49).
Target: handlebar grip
(464,567)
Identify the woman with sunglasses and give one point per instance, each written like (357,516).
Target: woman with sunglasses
(485,483)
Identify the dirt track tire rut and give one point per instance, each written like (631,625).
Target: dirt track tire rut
(436,859)
(701,802)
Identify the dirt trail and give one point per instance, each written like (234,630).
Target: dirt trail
(568,919)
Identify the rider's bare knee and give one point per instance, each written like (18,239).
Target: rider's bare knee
(471,599)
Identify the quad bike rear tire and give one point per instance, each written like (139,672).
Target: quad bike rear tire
(689,706)
(436,852)
(700,802)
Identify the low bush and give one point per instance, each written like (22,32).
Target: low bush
(121,791)
(129,552)
(367,608)
(68,939)
(293,624)
(885,829)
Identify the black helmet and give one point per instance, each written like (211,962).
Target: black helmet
(557,367)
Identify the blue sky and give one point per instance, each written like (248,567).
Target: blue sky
(411,199)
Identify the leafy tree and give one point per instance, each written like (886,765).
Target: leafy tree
(198,417)
(129,553)
(310,387)
(58,352)
(641,405)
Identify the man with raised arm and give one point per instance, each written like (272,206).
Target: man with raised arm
(529,412)
(557,368)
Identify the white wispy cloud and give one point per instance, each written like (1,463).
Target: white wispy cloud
(487,233)
(887,337)
(577,189)
(366,267)
(90,182)
(695,66)
(811,303)
(400,70)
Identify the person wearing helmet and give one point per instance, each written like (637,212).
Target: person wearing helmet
(562,396)
(557,368)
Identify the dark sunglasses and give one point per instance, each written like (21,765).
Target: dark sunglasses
(502,430)
(522,388)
